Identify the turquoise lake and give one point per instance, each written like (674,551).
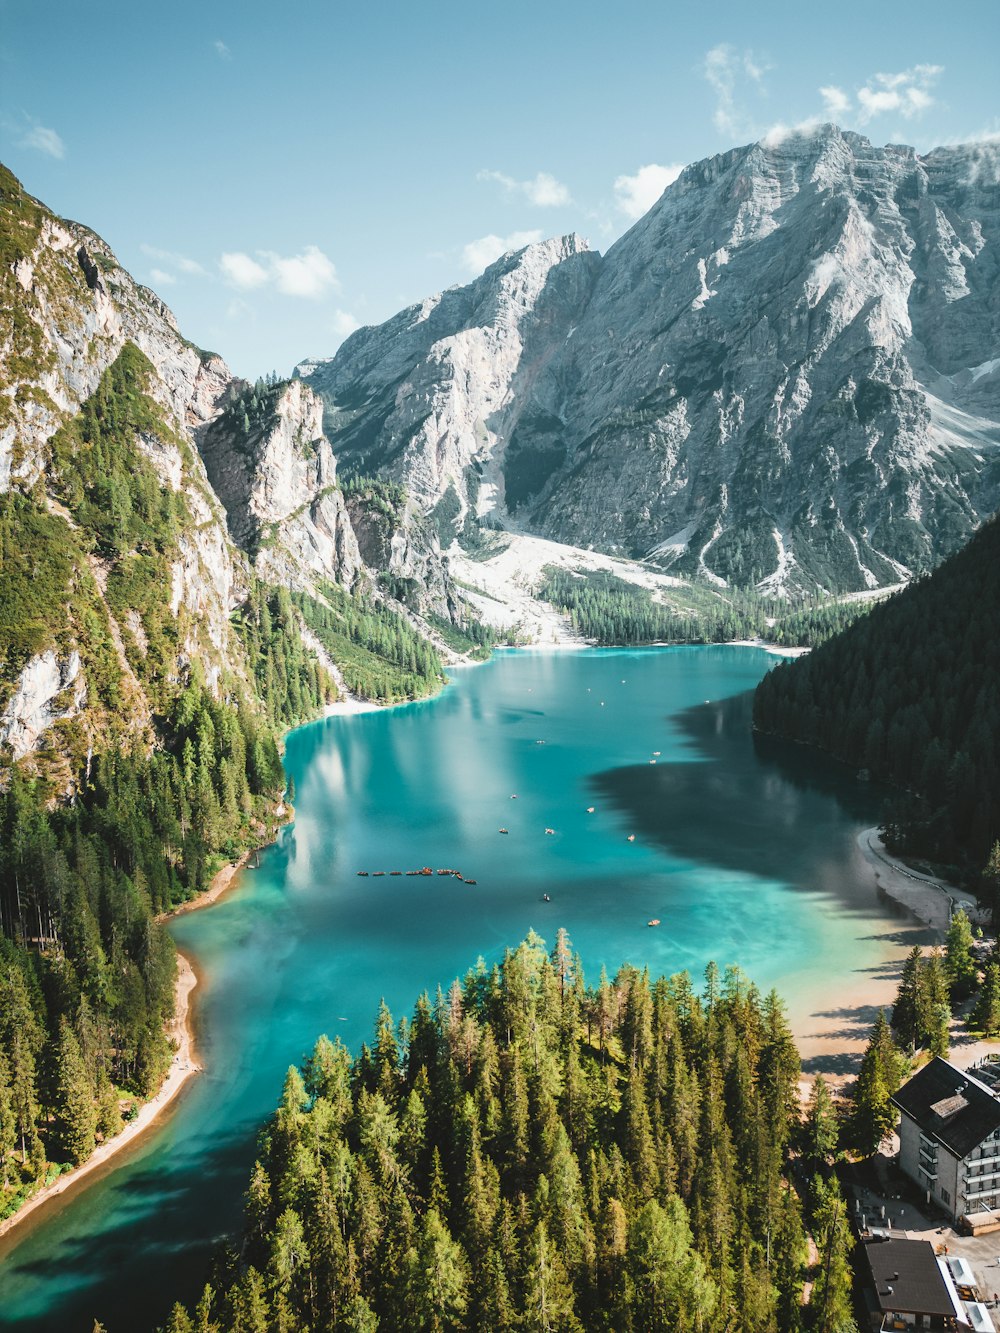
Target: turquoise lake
(744,850)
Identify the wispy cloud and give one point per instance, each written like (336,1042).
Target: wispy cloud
(173,261)
(242,272)
(162,278)
(637,194)
(479,254)
(836,103)
(222,50)
(344,323)
(732,74)
(543,190)
(43,139)
(309,275)
(906,94)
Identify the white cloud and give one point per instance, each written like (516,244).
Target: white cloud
(179,262)
(309,274)
(241,271)
(162,278)
(479,254)
(836,103)
(726,69)
(45,140)
(907,93)
(343,323)
(222,50)
(544,191)
(637,194)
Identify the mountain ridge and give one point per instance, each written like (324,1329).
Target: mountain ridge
(780,375)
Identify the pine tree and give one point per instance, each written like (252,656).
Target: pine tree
(75,1116)
(436,1277)
(907,1010)
(961,964)
(874,1116)
(821,1130)
(985,1015)
(831,1294)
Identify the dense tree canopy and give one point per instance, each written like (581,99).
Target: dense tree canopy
(910,693)
(529,1152)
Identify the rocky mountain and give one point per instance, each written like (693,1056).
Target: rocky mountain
(145,493)
(787,373)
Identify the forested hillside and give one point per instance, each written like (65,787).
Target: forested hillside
(151,655)
(156,766)
(911,694)
(530,1153)
(608,610)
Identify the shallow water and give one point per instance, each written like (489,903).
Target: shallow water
(745,852)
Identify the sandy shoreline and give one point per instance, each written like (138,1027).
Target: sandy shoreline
(181,1069)
(930,900)
(832,1041)
(183,1066)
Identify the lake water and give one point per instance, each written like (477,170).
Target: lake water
(744,851)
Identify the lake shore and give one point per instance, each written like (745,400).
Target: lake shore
(182,1067)
(931,900)
(836,1038)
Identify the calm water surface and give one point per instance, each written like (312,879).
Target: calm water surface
(745,853)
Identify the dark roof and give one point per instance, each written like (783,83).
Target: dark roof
(950,1106)
(905,1277)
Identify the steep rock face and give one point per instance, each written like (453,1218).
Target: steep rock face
(69,311)
(432,397)
(278,484)
(107,419)
(753,367)
(786,373)
(48,690)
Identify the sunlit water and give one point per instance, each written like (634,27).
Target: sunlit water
(745,853)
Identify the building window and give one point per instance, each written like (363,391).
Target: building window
(946,1197)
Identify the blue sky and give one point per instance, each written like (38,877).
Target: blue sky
(280,176)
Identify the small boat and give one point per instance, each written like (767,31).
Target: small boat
(550,830)
(395,872)
(413,872)
(363,872)
(546,898)
(458,876)
(656,752)
(513,796)
(377,873)
(655,921)
(539,742)
(470,881)
(426,870)
(652,761)
(631,837)
(503,830)
(590,809)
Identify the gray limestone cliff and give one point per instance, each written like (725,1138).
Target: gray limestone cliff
(787,373)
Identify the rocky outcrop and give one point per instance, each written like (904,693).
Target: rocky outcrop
(278,484)
(157,612)
(432,397)
(787,373)
(48,690)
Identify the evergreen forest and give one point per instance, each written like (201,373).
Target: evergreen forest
(134,799)
(610,611)
(910,693)
(530,1152)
